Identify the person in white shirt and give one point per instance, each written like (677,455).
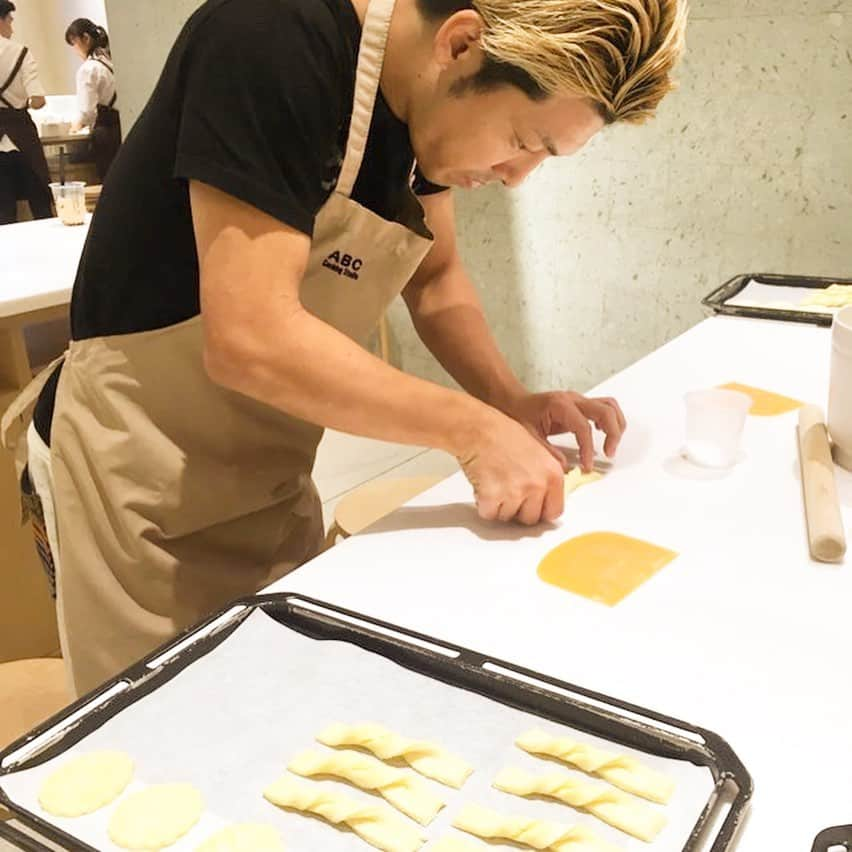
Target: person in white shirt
(96,94)
(23,167)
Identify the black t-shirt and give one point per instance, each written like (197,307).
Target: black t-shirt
(255,99)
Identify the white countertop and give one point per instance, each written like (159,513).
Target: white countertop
(742,633)
(41,264)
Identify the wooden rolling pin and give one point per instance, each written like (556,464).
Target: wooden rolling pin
(822,507)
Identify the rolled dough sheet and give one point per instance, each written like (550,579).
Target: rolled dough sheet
(603,566)
(155,817)
(764,403)
(86,783)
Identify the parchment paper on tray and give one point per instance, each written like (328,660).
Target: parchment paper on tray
(231,721)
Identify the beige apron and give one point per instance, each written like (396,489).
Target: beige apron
(174,495)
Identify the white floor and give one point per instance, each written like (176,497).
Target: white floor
(344,462)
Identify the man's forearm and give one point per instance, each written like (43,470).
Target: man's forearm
(449,319)
(310,370)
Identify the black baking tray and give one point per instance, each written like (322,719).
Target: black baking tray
(555,700)
(717,300)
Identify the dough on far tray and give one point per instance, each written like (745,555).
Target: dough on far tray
(404,790)
(377,824)
(623,771)
(426,758)
(601,800)
(833,296)
(575,478)
(244,837)
(86,783)
(155,817)
(537,833)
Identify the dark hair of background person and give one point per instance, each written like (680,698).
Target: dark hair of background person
(6,8)
(98,38)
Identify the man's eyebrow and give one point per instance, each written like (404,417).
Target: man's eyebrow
(548,144)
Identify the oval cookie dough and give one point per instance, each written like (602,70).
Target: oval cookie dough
(244,837)
(156,817)
(86,783)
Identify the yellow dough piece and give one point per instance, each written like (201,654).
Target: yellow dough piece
(156,816)
(426,758)
(575,478)
(621,770)
(530,832)
(603,566)
(450,843)
(86,783)
(376,824)
(605,802)
(244,837)
(834,296)
(403,790)
(764,403)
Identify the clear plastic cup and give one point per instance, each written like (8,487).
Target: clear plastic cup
(714,425)
(70,201)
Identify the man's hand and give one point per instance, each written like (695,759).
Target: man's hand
(37,101)
(552,413)
(513,476)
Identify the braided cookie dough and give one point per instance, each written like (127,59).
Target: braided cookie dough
(426,758)
(156,816)
(530,832)
(619,769)
(86,783)
(404,791)
(378,825)
(244,837)
(605,802)
(575,478)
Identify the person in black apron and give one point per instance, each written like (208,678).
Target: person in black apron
(96,94)
(23,167)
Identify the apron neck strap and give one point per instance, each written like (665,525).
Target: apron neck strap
(12,75)
(371,54)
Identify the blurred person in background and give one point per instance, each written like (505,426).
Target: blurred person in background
(96,94)
(23,167)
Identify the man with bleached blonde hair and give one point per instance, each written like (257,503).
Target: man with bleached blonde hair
(285,182)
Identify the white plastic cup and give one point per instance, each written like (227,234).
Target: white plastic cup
(70,201)
(714,425)
(840,388)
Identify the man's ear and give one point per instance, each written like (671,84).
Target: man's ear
(457,38)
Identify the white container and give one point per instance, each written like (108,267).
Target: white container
(840,388)
(70,200)
(714,425)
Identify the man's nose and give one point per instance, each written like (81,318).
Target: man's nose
(513,172)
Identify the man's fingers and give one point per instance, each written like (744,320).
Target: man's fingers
(529,512)
(557,454)
(585,440)
(488,507)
